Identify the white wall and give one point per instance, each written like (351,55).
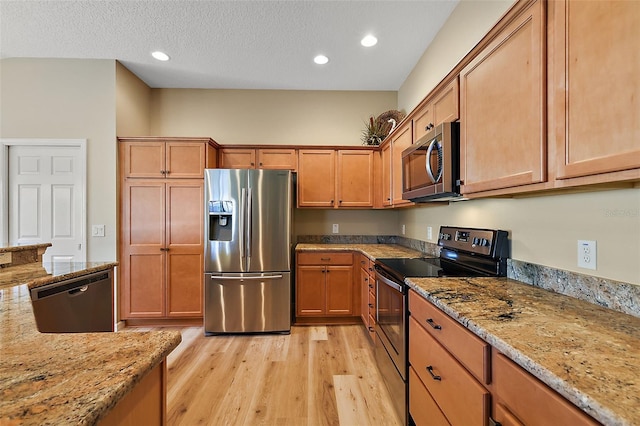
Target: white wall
(70,99)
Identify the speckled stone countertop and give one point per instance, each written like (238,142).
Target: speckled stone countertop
(24,248)
(74,378)
(372,251)
(588,354)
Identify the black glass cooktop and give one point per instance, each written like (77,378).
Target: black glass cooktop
(401,268)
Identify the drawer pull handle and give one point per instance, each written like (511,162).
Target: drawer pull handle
(371,305)
(371,329)
(433,376)
(433,324)
(493,422)
(325,258)
(370,285)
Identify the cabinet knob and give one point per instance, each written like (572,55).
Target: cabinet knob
(331,202)
(261,164)
(252,163)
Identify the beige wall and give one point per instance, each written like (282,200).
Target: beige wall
(267,116)
(544,229)
(351,222)
(466,26)
(67,98)
(133,98)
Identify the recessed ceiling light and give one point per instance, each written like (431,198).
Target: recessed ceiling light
(161,56)
(320,59)
(369,41)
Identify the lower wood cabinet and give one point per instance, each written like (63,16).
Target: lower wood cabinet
(518,397)
(325,285)
(162,249)
(368,295)
(457,378)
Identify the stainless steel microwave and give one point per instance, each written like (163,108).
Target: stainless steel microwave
(431,166)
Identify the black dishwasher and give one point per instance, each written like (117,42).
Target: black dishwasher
(76,305)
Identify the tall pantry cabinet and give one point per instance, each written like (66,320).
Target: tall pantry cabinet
(162,226)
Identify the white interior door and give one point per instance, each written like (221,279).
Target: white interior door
(46,200)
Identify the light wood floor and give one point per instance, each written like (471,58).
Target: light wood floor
(317,375)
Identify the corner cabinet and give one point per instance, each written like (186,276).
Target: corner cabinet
(330,178)
(503,107)
(596,74)
(162,227)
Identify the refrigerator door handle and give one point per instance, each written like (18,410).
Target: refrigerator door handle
(226,278)
(249,217)
(242,225)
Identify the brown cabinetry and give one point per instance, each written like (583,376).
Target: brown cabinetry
(518,396)
(368,295)
(324,284)
(385,154)
(161,232)
(503,107)
(402,139)
(596,81)
(439,355)
(441,107)
(335,178)
(259,158)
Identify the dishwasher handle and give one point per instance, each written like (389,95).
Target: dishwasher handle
(73,287)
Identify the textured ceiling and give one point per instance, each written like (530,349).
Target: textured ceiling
(232,44)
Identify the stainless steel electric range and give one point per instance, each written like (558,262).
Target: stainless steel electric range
(465,252)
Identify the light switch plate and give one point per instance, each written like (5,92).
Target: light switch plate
(97,231)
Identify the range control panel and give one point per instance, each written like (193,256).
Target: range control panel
(488,242)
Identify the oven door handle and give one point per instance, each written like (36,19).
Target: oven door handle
(388,282)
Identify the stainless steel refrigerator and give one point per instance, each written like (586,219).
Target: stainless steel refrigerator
(247,282)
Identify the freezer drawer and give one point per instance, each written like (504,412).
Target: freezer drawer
(247,303)
(82,304)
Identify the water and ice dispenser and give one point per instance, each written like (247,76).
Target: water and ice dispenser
(221,217)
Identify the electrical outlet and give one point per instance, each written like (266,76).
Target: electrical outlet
(336,228)
(97,231)
(587,254)
(403,229)
(429,233)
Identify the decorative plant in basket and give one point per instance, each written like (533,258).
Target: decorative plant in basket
(376,130)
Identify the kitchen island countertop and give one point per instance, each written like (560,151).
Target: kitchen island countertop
(65,378)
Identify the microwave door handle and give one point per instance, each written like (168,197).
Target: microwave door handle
(427,164)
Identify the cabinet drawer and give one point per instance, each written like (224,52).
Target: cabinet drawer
(325,258)
(523,395)
(469,349)
(451,385)
(366,263)
(422,407)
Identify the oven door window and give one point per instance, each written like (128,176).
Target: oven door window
(391,315)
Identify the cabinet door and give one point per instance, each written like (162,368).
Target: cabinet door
(446,104)
(310,290)
(503,116)
(386,174)
(423,121)
(143,159)
(284,159)
(400,142)
(237,158)
(597,81)
(316,178)
(339,281)
(185,248)
(355,178)
(143,243)
(185,159)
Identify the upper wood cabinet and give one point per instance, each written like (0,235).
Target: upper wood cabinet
(596,75)
(260,158)
(335,179)
(503,107)
(438,108)
(177,158)
(385,154)
(401,140)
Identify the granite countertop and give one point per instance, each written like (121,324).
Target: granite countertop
(588,354)
(73,378)
(42,246)
(372,251)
